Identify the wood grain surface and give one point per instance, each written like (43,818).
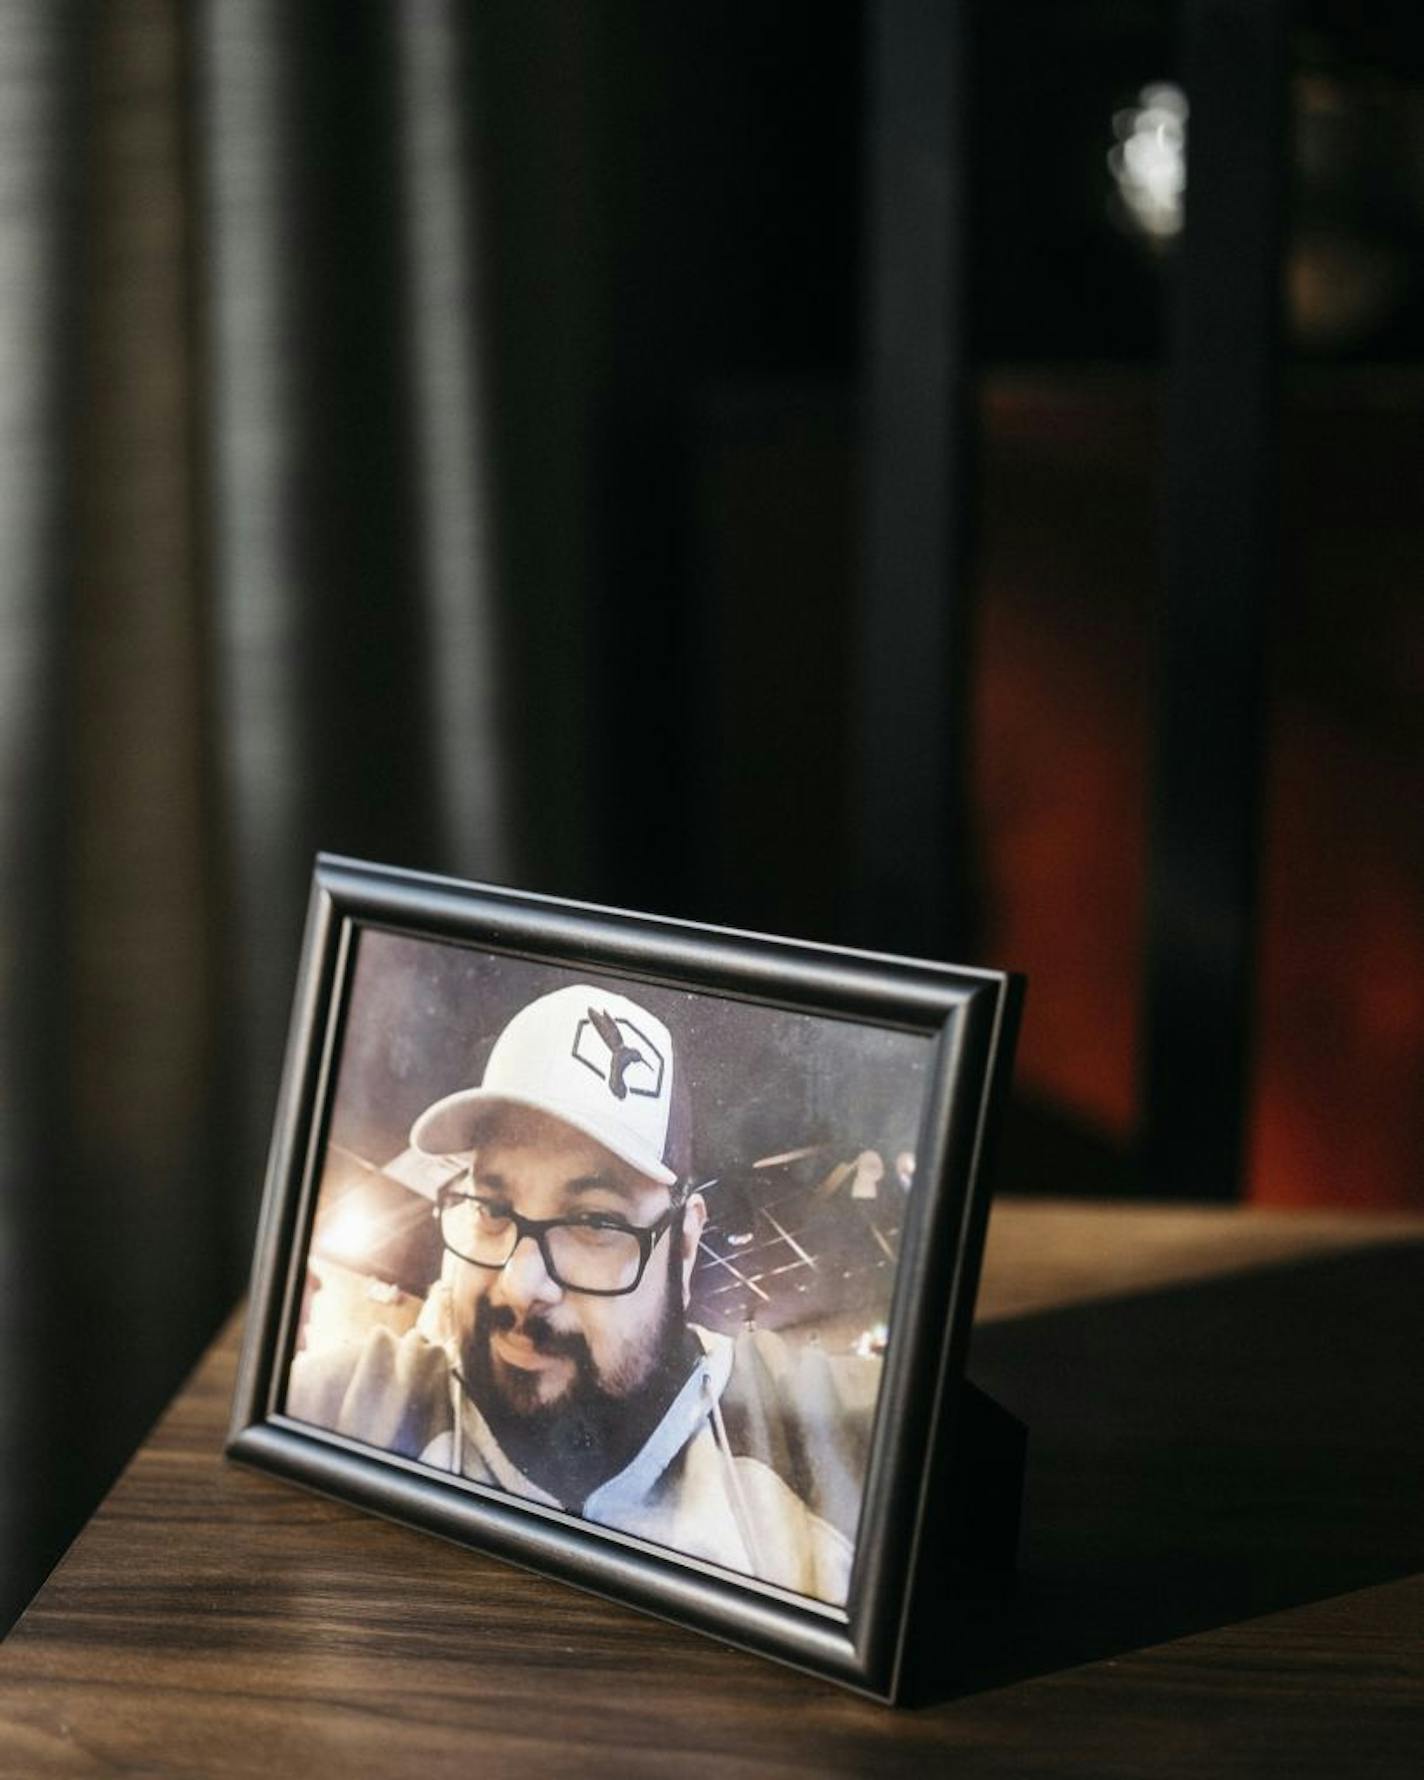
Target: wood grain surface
(1220,1575)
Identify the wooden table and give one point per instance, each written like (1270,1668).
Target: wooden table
(1224,1529)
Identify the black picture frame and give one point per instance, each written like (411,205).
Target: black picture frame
(915,1492)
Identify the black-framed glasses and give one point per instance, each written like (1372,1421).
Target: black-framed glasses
(596,1252)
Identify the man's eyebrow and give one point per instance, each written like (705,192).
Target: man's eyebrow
(488,1178)
(605,1181)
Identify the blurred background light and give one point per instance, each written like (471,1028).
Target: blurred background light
(1149,161)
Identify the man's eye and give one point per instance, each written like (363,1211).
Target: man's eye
(490,1213)
(598,1232)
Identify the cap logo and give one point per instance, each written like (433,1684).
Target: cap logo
(619,1054)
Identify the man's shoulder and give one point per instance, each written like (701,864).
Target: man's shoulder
(807,1414)
(801,1377)
(389,1390)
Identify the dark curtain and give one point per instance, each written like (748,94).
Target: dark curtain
(377,378)
(248,608)
(366,374)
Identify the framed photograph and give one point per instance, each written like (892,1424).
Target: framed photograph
(633,1251)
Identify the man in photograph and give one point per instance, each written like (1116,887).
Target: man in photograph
(555,1359)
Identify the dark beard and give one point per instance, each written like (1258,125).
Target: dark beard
(570,1447)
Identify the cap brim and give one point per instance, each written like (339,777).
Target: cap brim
(451,1127)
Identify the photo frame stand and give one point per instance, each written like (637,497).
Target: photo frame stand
(984,1497)
(969,1558)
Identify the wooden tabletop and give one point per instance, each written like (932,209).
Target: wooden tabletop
(1224,1529)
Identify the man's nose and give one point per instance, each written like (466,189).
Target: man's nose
(524,1279)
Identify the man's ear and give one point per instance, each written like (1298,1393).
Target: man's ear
(694,1221)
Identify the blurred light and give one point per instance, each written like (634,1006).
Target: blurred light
(349,1233)
(869,1172)
(788,1156)
(1149,162)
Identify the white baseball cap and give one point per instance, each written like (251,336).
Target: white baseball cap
(587,1056)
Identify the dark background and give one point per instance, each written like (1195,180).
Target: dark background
(433,432)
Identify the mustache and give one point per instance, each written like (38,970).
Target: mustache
(500,1319)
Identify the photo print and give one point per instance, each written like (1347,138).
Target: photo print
(612,1248)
